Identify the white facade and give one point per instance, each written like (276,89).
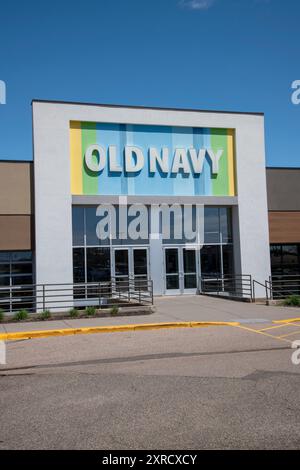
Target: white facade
(53,198)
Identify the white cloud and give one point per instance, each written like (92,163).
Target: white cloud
(196,4)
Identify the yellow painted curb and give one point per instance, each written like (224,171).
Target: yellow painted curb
(288,320)
(108,329)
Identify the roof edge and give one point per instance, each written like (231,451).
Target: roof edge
(103,105)
(283,167)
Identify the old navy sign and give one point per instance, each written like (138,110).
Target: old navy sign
(159,160)
(152,160)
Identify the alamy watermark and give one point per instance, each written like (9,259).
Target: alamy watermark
(296,93)
(2,92)
(296,354)
(183,223)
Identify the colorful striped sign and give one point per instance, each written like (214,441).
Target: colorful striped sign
(85,182)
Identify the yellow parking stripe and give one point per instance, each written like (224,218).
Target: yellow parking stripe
(258,332)
(278,326)
(297,332)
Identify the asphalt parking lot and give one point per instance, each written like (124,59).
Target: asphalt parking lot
(205,388)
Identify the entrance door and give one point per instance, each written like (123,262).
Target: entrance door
(140,267)
(130,263)
(181,270)
(190,272)
(121,267)
(172,284)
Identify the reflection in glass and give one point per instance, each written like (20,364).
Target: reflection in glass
(171,260)
(190,281)
(98,264)
(140,262)
(189,261)
(90,226)
(121,263)
(210,260)
(172,281)
(78,265)
(228,267)
(78,225)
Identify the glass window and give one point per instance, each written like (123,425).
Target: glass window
(15,268)
(4,281)
(21,268)
(78,225)
(91,221)
(4,269)
(142,231)
(211,225)
(4,256)
(285,259)
(78,265)
(140,262)
(289,255)
(228,267)
(21,256)
(217,225)
(276,256)
(98,264)
(210,260)
(21,280)
(225,224)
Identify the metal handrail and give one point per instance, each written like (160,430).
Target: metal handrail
(238,286)
(284,285)
(38,297)
(266,287)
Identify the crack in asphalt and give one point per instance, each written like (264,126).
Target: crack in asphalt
(146,357)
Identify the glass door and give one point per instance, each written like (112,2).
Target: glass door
(140,267)
(181,270)
(172,284)
(121,267)
(190,272)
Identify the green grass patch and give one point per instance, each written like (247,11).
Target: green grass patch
(45,315)
(21,315)
(2,315)
(90,311)
(74,313)
(292,301)
(114,310)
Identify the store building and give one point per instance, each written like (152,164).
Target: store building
(86,156)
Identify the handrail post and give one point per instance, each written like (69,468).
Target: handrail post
(44,305)
(271,287)
(152,291)
(267,296)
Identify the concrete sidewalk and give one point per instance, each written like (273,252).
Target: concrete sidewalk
(172,309)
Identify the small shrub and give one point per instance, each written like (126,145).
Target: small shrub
(114,310)
(73,312)
(90,311)
(45,315)
(2,316)
(21,315)
(292,300)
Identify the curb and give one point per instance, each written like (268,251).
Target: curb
(109,329)
(288,320)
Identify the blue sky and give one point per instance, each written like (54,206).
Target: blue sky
(239,55)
